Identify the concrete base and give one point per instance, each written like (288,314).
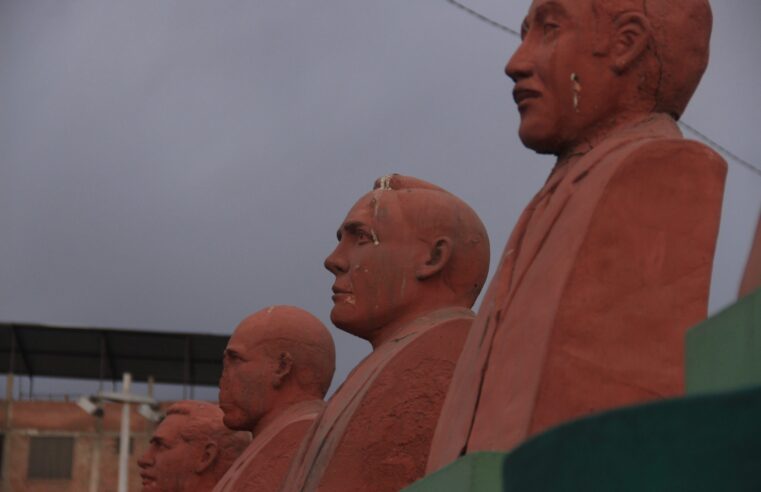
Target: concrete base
(704,443)
(724,352)
(477,471)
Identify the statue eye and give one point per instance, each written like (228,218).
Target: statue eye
(363,236)
(550,29)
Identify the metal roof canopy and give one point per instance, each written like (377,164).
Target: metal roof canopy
(105,354)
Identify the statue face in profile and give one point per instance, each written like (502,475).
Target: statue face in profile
(276,357)
(246,385)
(585,67)
(190,450)
(374,266)
(562,83)
(170,459)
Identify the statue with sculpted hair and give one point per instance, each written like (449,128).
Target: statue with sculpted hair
(610,263)
(190,450)
(410,262)
(277,367)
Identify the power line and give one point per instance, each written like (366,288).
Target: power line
(483,18)
(719,147)
(702,136)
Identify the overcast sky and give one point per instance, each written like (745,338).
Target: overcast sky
(176,165)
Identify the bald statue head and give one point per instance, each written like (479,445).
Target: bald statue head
(585,66)
(276,357)
(677,50)
(405,249)
(190,450)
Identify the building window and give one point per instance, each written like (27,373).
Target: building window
(118,442)
(50,457)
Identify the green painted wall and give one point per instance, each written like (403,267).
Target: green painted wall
(704,443)
(724,352)
(710,441)
(477,471)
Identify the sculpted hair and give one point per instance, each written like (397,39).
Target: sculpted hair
(678,49)
(442,213)
(204,423)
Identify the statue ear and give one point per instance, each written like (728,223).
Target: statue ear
(209,456)
(631,35)
(284,366)
(438,257)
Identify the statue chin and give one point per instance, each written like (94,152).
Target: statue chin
(538,139)
(351,326)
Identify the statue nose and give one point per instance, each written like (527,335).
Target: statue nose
(518,66)
(336,263)
(144,461)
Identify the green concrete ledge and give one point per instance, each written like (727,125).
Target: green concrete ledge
(700,443)
(724,352)
(477,471)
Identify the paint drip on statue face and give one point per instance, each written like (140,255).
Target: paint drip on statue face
(374,265)
(564,85)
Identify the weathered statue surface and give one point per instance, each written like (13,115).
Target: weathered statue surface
(190,450)
(410,262)
(278,365)
(752,276)
(611,261)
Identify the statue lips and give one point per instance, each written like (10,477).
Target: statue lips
(224,401)
(341,294)
(147,479)
(522,96)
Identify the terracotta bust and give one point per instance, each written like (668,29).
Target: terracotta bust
(752,277)
(278,365)
(611,262)
(410,262)
(190,450)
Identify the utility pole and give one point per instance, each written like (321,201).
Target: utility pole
(124,436)
(6,469)
(125,398)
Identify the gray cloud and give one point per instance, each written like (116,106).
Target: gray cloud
(177,165)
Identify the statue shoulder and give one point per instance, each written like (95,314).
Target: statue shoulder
(662,186)
(679,159)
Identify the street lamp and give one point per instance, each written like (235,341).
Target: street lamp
(147,409)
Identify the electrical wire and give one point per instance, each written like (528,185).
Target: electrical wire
(702,136)
(483,18)
(705,138)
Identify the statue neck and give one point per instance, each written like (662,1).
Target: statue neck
(397,328)
(601,131)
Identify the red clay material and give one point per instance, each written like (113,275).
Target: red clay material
(610,263)
(278,365)
(410,261)
(190,450)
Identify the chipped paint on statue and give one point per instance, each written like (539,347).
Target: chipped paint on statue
(410,261)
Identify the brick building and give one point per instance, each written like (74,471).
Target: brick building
(58,447)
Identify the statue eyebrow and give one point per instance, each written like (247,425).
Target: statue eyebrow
(158,440)
(550,8)
(350,228)
(541,13)
(232,352)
